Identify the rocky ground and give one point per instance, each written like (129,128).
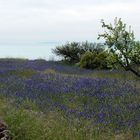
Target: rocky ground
(4,132)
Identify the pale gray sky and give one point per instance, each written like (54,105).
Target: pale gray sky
(63,20)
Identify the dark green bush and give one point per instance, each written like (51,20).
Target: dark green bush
(94,60)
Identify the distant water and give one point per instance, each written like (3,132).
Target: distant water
(28,50)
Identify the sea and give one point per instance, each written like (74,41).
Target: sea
(29,50)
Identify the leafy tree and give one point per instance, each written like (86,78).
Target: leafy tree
(122,45)
(72,52)
(135,57)
(112,62)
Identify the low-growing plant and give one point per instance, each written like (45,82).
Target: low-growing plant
(27,124)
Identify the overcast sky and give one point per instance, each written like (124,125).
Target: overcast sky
(63,20)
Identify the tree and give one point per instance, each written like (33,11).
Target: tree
(69,51)
(121,43)
(72,52)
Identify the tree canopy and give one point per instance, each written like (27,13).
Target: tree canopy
(72,52)
(121,43)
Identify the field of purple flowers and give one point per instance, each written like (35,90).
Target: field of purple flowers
(109,100)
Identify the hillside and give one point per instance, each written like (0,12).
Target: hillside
(42,100)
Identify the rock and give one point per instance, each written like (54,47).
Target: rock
(4,132)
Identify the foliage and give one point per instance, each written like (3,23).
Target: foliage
(72,52)
(65,105)
(31,125)
(94,60)
(122,45)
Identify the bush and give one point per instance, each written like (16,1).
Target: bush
(94,60)
(87,60)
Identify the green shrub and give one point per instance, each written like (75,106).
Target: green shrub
(92,60)
(87,60)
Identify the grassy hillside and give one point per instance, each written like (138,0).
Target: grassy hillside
(42,100)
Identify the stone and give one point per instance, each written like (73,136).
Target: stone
(4,132)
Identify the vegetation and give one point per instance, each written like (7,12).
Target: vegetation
(72,52)
(46,100)
(42,100)
(94,60)
(122,45)
(119,51)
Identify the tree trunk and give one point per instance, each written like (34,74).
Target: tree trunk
(135,72)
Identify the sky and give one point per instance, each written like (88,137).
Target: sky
(62,20)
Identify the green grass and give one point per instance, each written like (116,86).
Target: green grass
(23,73)
(27,123)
